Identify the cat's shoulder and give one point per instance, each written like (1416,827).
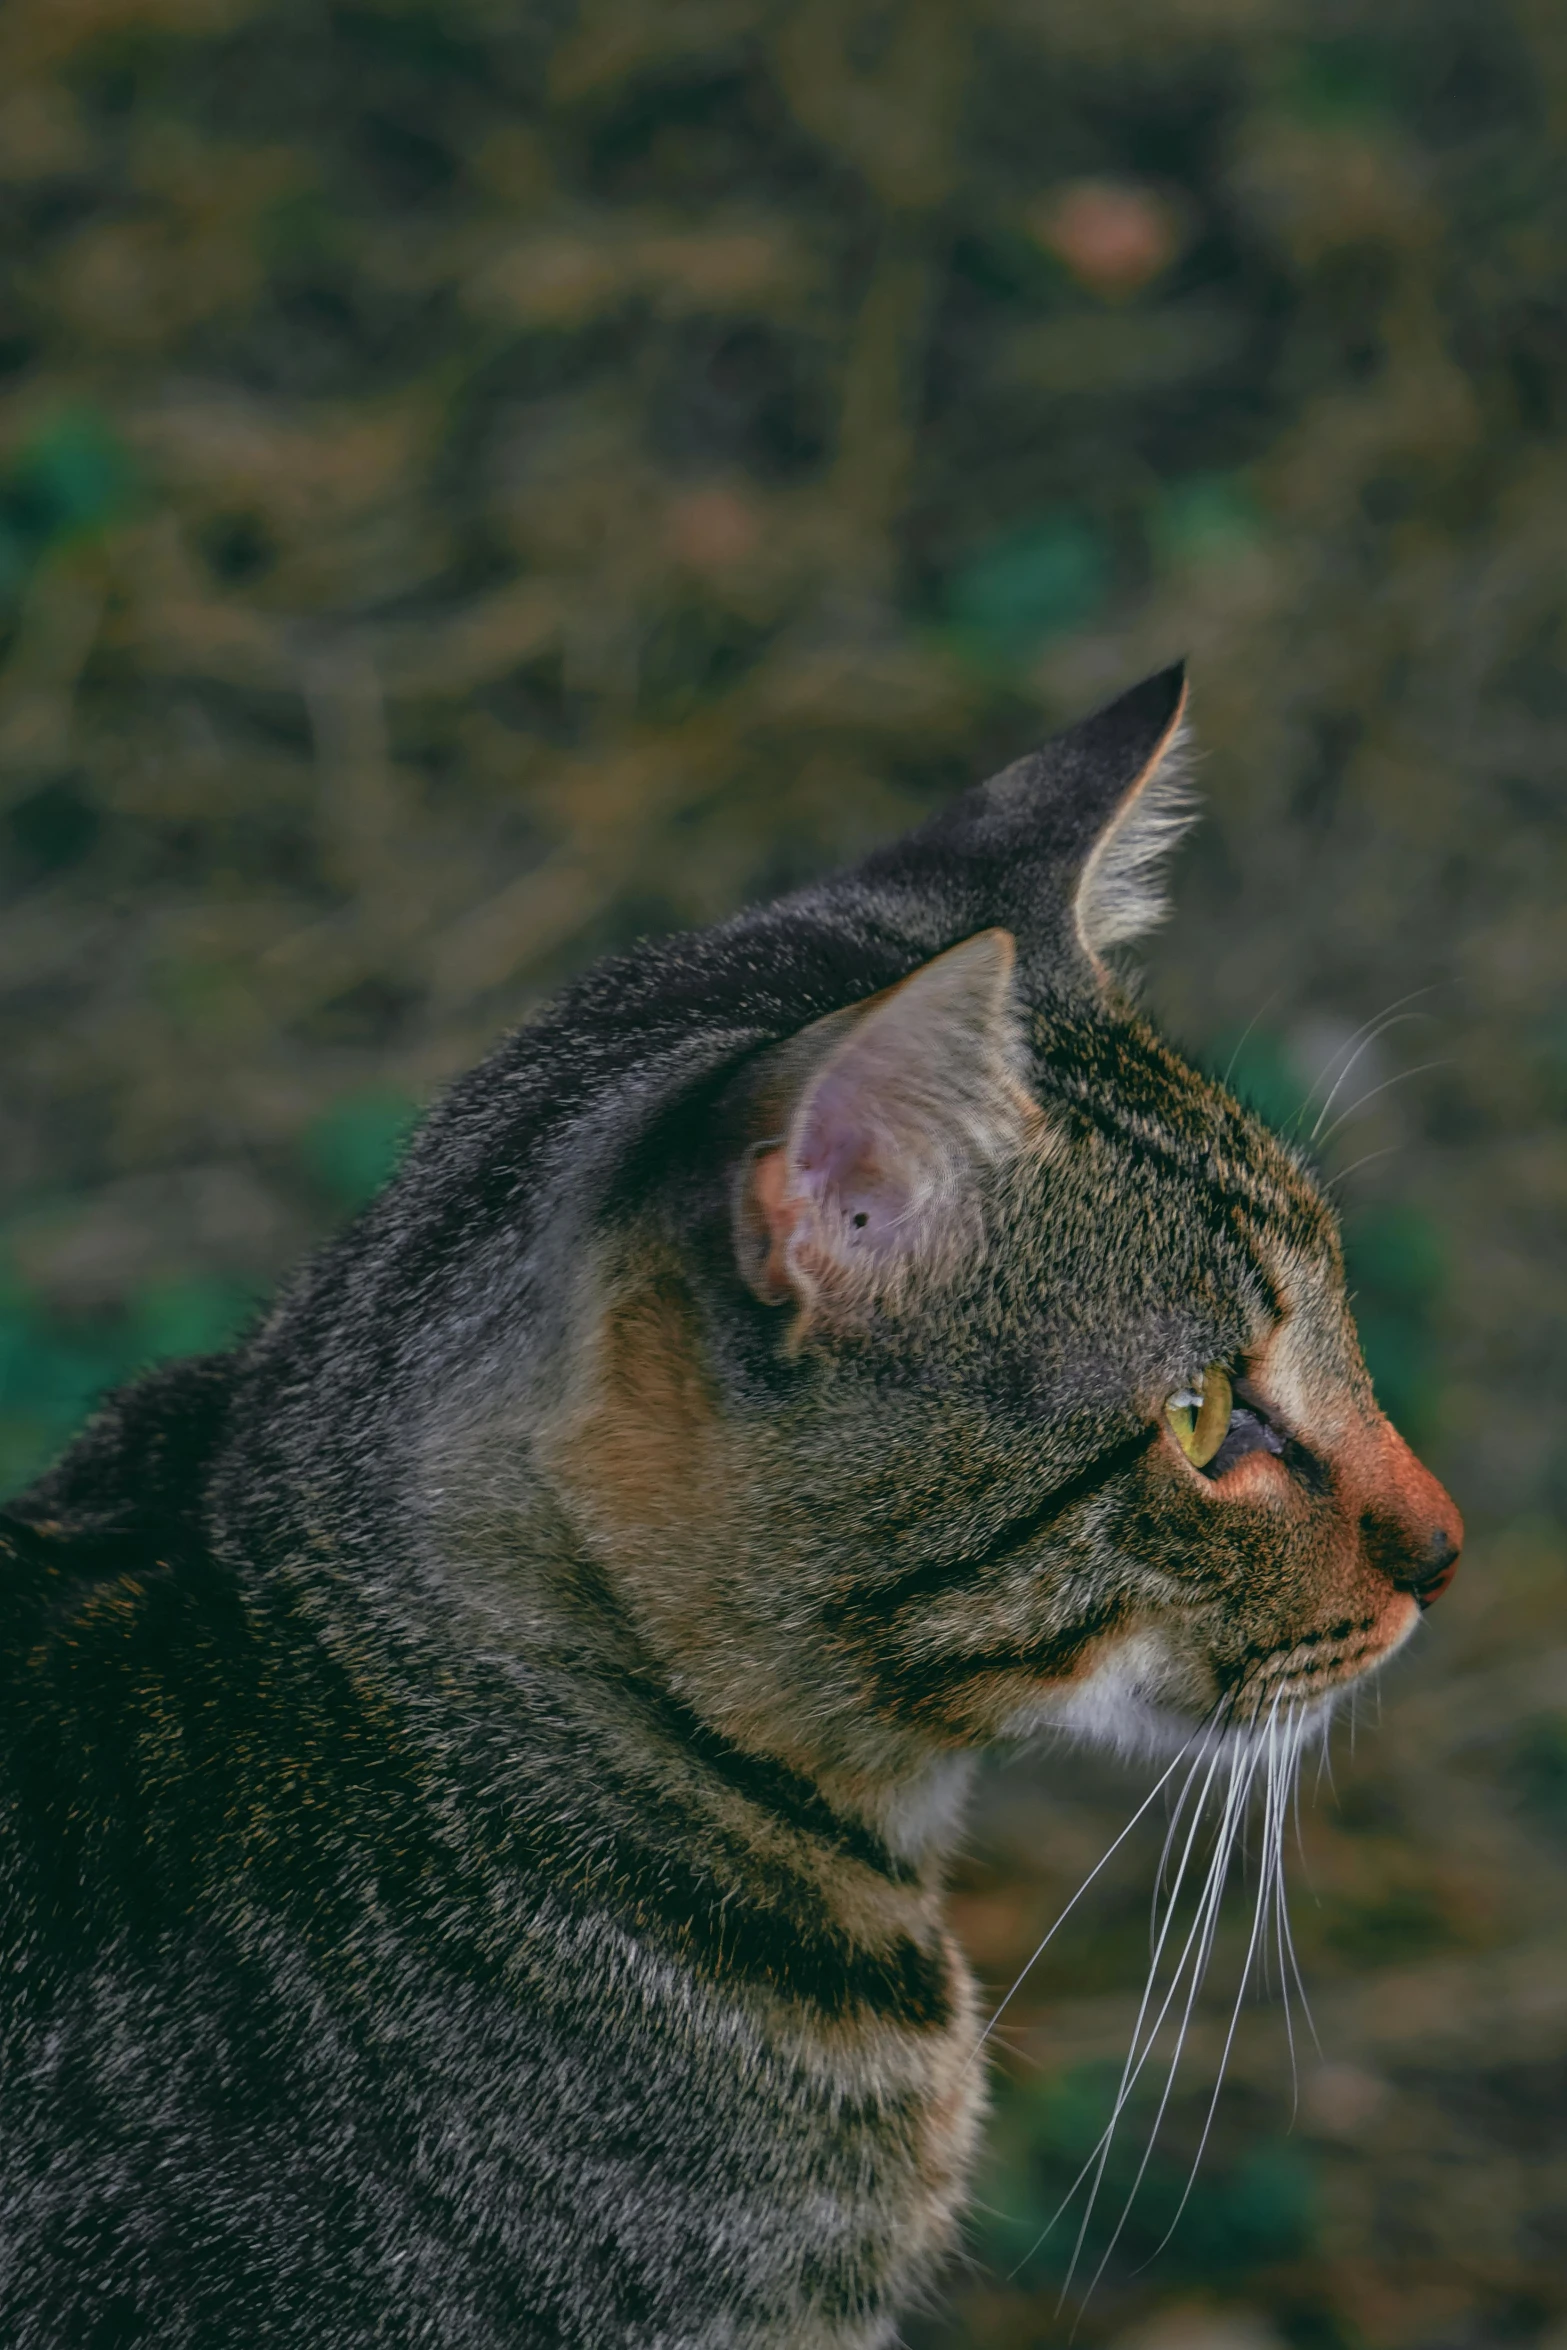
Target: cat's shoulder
(131,1669)
(101,1545)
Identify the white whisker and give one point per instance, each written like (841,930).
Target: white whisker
(1136,2053)
(1399,1077)
(1224,2058)
(1226,1768)
(1105,1857)
(1355,1165)
(1260,1013)
(1202,1934)
(1374,1023)
(1169,1841)
(1377,1031)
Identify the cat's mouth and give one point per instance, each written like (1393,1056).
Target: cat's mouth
(1316,1667)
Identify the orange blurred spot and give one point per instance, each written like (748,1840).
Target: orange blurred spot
(1113,236)
(712,529)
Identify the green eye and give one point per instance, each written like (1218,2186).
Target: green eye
(1200,1415)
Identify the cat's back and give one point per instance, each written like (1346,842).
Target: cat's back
(117,1633)
(199,1812)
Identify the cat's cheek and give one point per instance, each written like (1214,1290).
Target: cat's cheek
(1257,1477)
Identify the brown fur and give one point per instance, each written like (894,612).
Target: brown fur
(482,1759)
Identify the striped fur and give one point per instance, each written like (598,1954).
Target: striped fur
(479,1759)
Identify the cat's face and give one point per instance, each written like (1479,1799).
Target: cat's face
(1011,1380)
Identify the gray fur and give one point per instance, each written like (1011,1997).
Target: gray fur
(479,1760)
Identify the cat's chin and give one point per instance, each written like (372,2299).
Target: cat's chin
(1131,1704)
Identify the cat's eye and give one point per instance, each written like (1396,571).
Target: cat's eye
(1199,1416)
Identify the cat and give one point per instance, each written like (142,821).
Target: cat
(479,1758)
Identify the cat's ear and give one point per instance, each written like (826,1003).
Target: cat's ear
(1064,847)
(1120,890)
(881,1119)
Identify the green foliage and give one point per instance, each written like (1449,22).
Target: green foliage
(1337,80)
(1397,1266)
(352,1148)
(54,1367)
(1243,2212)
(1205,518)
(1398,1924)
(1031,584)
(1259,1070)
(70,478)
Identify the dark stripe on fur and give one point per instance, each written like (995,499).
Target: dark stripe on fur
(934,1577)
(774,1788)
(99,1656)
(1053,1658)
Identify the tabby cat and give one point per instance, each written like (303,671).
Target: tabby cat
(479,1758)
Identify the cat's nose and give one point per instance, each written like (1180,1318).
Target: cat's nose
(1410,1526)
(1427,1578)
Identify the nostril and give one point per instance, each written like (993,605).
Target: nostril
(1429,1581)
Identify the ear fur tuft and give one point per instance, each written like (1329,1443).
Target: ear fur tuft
(1121,892)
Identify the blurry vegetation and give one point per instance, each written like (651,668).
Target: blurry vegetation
(1241,2213)
(479,482)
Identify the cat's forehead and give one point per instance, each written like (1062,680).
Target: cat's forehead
(1124,1083)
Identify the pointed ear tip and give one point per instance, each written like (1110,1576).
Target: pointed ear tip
(1161,696)
(1125,735)
(992,950)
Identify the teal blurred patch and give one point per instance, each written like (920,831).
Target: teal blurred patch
(1242,2213)
(351,1149)
(1030,585)
(50,1377)
(68,481)
(1338,80)
(192,1317)
(1207,519)
(1397,1268)
(55,1368)
(1258,1069)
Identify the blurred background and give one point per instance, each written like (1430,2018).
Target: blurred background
(481,481)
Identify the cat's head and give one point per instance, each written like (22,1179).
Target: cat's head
(915,1349)
(963,1360)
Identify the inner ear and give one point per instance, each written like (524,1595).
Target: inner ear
(1120,891)
(886,1114)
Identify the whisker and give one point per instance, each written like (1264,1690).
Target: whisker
(1224,2059)
(1263,1009)
(1344,1173)
(1399,1077)
(1375,1022)
(1105,1857)
(1377,1031)
(1294,1966)
(1283,1783)
(1169,1842)
(1266,1755)
(1099,2154)
(1206,1920)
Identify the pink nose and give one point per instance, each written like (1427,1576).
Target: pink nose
(1409,1524)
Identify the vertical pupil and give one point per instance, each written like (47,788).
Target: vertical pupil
(1199,1425)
